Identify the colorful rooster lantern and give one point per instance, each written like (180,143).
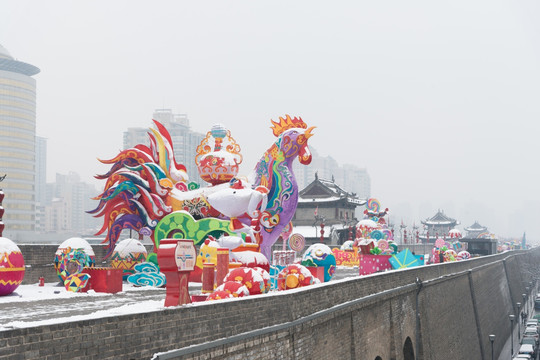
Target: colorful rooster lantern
(146,189)
(67,246)
(220,164)
(128,253)
(248,277)
(11,266)
(294,276)
(321,255)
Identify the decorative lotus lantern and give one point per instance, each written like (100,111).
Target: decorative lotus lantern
(11,266)
(219,165)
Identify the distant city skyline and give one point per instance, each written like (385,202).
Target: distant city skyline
(438,100)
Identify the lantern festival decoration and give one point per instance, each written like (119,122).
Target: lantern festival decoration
(219,164)
(147,191)
(294,276)
(248,277)
(128,253)
(74,243)
(11,266)
(321,255)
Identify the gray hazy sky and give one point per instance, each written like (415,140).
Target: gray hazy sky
(438,100)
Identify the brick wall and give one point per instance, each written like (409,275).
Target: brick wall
(372,316)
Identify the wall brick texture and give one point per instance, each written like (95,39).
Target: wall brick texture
(460,304)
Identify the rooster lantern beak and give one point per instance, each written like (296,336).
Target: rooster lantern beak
(308,133)
(304,155)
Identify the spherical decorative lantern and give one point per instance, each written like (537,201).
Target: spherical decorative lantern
(126,254)
(248,277)
(67,246)
(294,276)
(11,266)
(221,164)
(321,255)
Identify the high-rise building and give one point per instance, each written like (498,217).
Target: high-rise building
(185,141)
(66,211)
(356,180)
(41,169)
(17,144)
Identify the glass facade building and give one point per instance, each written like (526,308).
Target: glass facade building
(17,144)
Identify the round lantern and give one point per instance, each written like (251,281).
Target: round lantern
(11,266)
(126,254)
(322,255)
(236,289)
(67,246)
(294,276)
(266,278)
(219,295)
(248,277)
(221,165)
(347,245)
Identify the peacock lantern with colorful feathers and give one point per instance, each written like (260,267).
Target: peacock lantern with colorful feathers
(147,191)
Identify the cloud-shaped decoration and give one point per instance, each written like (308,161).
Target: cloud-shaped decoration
(147,279)
(146,267)
(147,274)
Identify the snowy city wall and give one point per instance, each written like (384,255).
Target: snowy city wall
(39,261)
(460,304)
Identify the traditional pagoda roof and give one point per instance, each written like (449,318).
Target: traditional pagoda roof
(321,190)
(440,219)
(476,227)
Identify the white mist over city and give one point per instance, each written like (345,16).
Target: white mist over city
(437,102)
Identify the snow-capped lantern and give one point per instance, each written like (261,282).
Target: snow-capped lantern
(365,227)
(321,255)
(234,288)
(266,279)
(219,295)
(126,254)
(69,245)
(294,276)
(221,164)
(454,234)
(11,266)
(248,277)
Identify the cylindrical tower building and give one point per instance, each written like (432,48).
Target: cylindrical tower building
(17,144)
